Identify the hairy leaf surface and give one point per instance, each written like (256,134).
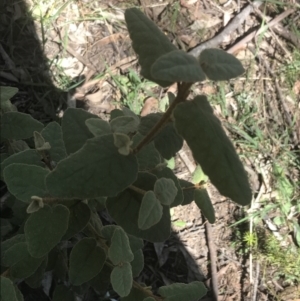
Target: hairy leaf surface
(220,65)
(16,125)
(119,250)
(148,42)
(213,150)
(86,261)
(203,201)
(95,170)
(52,134)
(25,181)
(45,228)
(180,291)
(150,211)
(75,131)
(177,66)
(121,279)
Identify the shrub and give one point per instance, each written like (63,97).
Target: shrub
(87,164)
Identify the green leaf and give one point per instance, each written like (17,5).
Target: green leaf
(86,261)
(137,264)
(188,192)
(199,176)
(136,295)
(135,243)
(39,142)
(35,205)
(124,209)
(45,228)
(149,299)
(167,141)
(213,150)
(11,242)
(21,263)
(98,127)
(148,157)
(169,174)
(75,131)
(99,166)
(101,282)
(150,211)
(121,279)
(80,215)
(5,228)
(35,280)
(25,181)
(124,124)
(203,201)
(177,66)
(29,156)
(16,146)
(6,93)
(14,254)
(63,293)
(7,292)
(147,41)
(123,143)
(52,134)
(16,125)
(180,291)
(165,190)
(220,65)
(119,250)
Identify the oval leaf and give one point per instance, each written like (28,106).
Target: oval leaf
(124,209)
(147,41)
(28,156)
(124,124)
(119,250)
(150,211)
(16,125)
(180,291)
(80,215)
(177,66)
(52,134)
(25,181)
(217,64)
(213,150)
(203,201)
(75,131)
(98,165)
(121,279)
(7,292)
(86,261)
(165,190)
(45,228)
(98,127)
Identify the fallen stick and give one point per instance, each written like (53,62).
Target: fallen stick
(251,35)
(232,26)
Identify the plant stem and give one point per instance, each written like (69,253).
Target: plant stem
(183,90)
(136,189)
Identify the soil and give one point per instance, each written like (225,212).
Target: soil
(103,47)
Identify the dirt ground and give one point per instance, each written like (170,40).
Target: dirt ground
(103,47)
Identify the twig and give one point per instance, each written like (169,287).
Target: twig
(213,260)
(250,36)
(256,282)
(232,26)
(183,90)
